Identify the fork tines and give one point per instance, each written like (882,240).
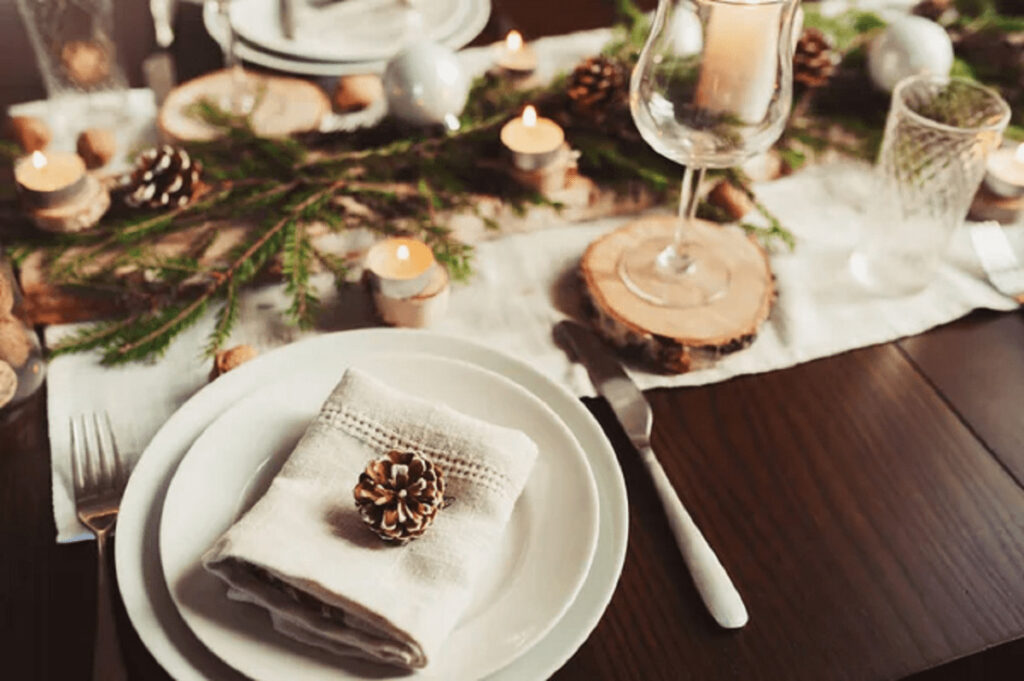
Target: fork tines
(95,459)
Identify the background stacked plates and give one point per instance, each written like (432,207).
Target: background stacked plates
(338,37)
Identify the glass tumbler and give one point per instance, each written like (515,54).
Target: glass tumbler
(937,136)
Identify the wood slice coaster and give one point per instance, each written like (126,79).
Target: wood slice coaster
(673,338)
(284,106)
(81,213)
(988,206)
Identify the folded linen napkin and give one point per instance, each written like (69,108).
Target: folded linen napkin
(303,552)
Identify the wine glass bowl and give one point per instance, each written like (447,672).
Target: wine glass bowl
(712,87)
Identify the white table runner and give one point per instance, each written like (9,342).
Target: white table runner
(523,285)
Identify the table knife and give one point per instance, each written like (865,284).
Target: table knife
(634,413)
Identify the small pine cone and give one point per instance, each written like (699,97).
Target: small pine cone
(940,11)
(163,176)
(597,88)
(815,60)
(399,495)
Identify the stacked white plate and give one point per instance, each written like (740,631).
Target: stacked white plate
(538,601)
(338,37)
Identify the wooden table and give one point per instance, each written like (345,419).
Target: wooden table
(869,506)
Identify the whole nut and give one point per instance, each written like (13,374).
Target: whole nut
(8,383)
(96,146)
(86,62)
(232,358)
(353,93)
(29,133)
(15,346)
(731,198)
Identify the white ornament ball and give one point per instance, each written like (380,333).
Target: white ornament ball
(425,84)
(909,46)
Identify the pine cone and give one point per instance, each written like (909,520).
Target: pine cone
(815,60)
(940,11)
(399,495)
(163,176)
(598,89)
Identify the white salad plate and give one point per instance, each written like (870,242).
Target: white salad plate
(352,30)
(533,576)
(137,552)
(474,22)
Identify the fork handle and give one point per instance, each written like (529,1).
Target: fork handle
(717,591)
(107,663)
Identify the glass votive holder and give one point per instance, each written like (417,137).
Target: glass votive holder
(937,136)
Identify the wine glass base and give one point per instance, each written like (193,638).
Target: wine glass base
(655,272)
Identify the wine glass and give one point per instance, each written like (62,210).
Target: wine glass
(240,99)
(712,88)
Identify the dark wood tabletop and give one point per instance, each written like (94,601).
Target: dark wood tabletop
(869,507)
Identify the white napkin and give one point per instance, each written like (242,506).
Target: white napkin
(400,602)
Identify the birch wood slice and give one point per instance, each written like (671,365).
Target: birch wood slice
(674,338)
(284,106)
(78,214)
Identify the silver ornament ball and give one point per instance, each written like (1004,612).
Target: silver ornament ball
(908,46)
(425,84)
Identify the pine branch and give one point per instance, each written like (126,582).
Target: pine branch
(296,261)
(227,317)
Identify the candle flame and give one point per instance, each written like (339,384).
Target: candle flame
(402,253)
(38,159)
(529,116)
(1019,156)
(514,41)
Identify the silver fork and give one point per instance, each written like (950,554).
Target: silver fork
(997,258)
(99,478)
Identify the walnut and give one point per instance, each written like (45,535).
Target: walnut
(399,495)
(8,383)
(29,132)
(353,93)
(15,345)
(96,146)
(232,358)
(86,62)
(731,198)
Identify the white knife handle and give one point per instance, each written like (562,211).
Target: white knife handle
(712,582)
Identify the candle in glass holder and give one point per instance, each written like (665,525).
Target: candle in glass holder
(737,73)
(1004,174)
(533,141)
(47,180)
(403,266)
(517,58)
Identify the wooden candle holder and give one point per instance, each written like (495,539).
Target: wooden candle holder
(78,213)
(418,311)
(989,206)
(677,340)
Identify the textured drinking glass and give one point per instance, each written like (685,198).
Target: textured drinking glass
(73,43)
(712,87)
(937,136)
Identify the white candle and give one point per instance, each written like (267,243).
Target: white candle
(46,180)
(741,53)
(1005,171)
(533,141)
(403,266)
(517,57)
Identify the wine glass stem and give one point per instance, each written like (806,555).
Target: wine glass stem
(238,99)
(689,196)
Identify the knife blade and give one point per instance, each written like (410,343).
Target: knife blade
(632,410)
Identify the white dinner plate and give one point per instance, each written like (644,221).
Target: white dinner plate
(140,575)
(534,575)
(480,12)
(352,30)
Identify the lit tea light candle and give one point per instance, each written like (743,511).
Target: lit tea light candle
(1005,172)
(403,266)
(533,141)
(741,46)
(47,180)
(518,58)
